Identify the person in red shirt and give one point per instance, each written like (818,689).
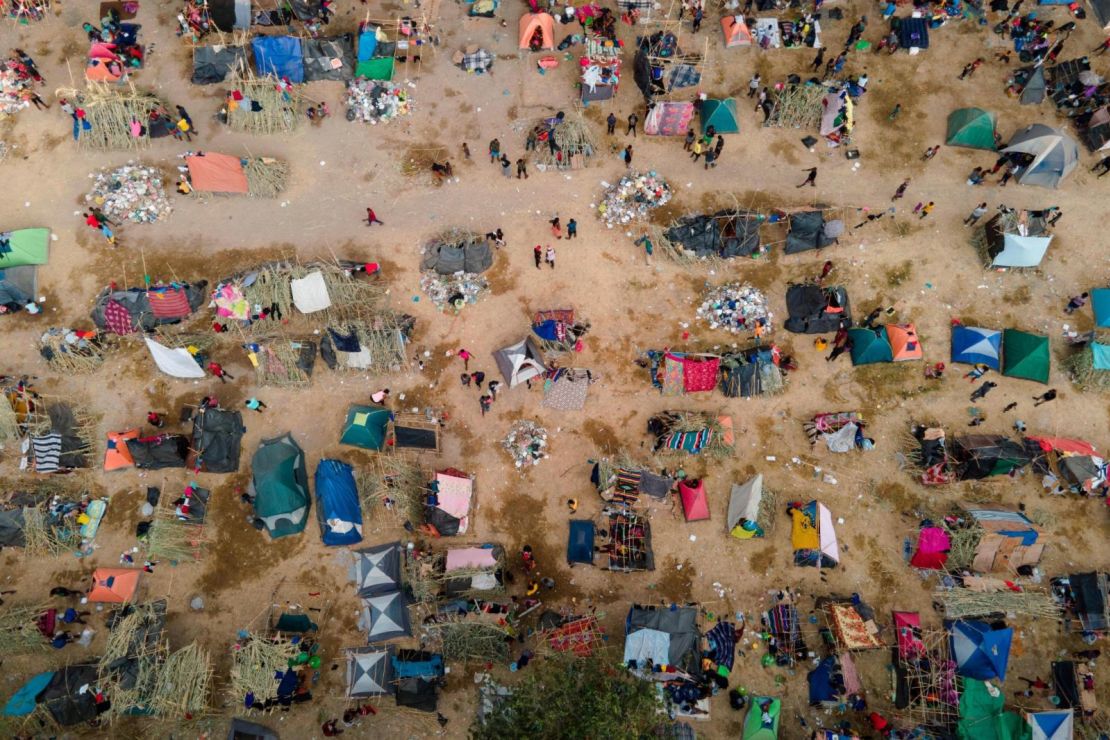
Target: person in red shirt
(217,369)
(372,218)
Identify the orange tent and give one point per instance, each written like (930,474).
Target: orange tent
(104,64)
(216,173)
(904,344)
(530,22)
(114,585)
(736,31)
(117,456)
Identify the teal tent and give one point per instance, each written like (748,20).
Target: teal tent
(1100,304)
(721,115)
(365,427)
(1025,355)
(279,484)
(972,128)
(870,346)
(24,247)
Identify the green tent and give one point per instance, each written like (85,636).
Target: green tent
(870,346)
(365,427)
(754,726)
(279,484)
(378,68)
(721,115)
(24,247)
(972,128)
(982,716)
(1025,355)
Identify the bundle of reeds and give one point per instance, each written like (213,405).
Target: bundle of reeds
(689,421)
(964,542)
(575,140)
(182,684)
(74,356)
(277,363)
(280,109)
(266,176)
(400,479)
(420,576)
(9,422)
(351,298)
(44,536)
(419,160)
(173,539)
(109,111)
(384,335)
(135,633)
(19,635)
(468,641)
(961,603)
(1081,367)
(254,663)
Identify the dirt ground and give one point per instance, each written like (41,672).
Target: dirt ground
(925,268)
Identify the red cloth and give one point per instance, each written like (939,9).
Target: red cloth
(117,319)
(699,375)
(168,303)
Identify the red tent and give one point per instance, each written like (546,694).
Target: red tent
(933,544)
(908,628)
(695,504)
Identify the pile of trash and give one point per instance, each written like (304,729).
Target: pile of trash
(735,308)
(633,197)
(371,101)
(453,290)
(526,443)
(12,98)
(132,193)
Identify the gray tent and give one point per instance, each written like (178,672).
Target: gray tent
(377,570)
(11,528)
(744,503)
(680,623)
(384,617)
(213,64)
(1054,153)
(723,234)
(1035,87)
(19,285)
(242,729)
(217,434)
(329,59)
(520,362)
(472,256)
(369,672)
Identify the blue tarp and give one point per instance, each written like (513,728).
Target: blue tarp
(548,330)
(367,43)
(972,345)
(580,543)
(1100,304)
(280,56)
(820,681)
(1100,356)
(431,668)
(337,504)
(979,651)
(23,701)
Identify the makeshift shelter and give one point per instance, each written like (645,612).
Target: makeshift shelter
(809,230)
(329,58)
(1013,239)
(377,570)
(414,432)
(537,31)
(337,504)
(114,585)
(280,56)
(451,513)
(931,553)
(216,173)
(417,675)
(67,698)
(369,672)
(814,309)
(751,509)
(1100,306)
(676,431)
(563,140)
(385,617)
(764,717)
(736,31)
(1072,463)
(214,64)
(1054,155)
(752,372)
(695,501)
(365,427)
(1057,724)
(126,311)
(1100,10)
(668,118)
(973,345)
(159,451)
(980,652)
(972,128)
(813,537)
(1025,356)
(804,105)
(279,485)
(671,639)
(980,456)
(1095,131)
(1033,85)
(217,438)
(1008,540)
(1086,598)
(520,362)
(720,114)
(580,542)
(913,33)
(262,105)
(783,623)
(869,346)
(24,247)
(116,454)
(457,251)
(601,69)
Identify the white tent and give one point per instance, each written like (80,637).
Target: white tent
(520,362)
(744,503)
(384,617)
(174,362)
(377,569)
(369,672)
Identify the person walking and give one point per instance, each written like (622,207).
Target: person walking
(218,370)
(494,150)
(556,228)
(372,218)
(465,356)
(633,119)
(492,388)
(184,116)
(466,151)
(894,112)
(818,60)
(811,178)
(930,153)
(926,209)
(1075,303)
(753,85)
(710,158)
(537,252)
(699,14)
(975,215)
(718,147)
(982,391)
(825,270)
(521,169)
(1049,395)
(970,68)
(506,166)
(484,403)
(380,397)
(611,124)
(464,379)
(697,151)
(478,377)
(254,404)
(628,156)
(688,142)
(841,344)
(550,256)
(760,100)
(901,190)
(572,229)
(649,248)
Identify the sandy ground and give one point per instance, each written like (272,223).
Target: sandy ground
(924,267)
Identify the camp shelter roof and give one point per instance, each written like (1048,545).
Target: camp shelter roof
(213,64)
(1025,355)
(159,452)
(520,362)
(724,234)
(979,651)
(814,309)
(906,624)
(385,616)
(984,455)
(114,585)
(972,345)
(472,255)
(1056,724)
(695,502)
(365,427)
(972,128)
(329,59)
(1035,87)
(1101,11)
(213,172)
(1055,154)
(415,432)
(904,344)
(933,544)
(242,729)
(67,697)
(337,505)
(1013,241)
(529,22)
(913,32)
(24,247)
(813,537)
(1100,304)
(217,440)
(116,454)
(680,623)
(280,56)
(743,503)
(580,542)
(1091,594)
(451,516)
(377,570)
(754,729)
(669,118)
(229,15)
(12,525)
(721,115)
(807,231)
(279,483)
(369,672)
(736,31)
(982,716)
(870,346)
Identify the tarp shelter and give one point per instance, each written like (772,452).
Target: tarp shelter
(474,256)
(230,15)
(724,234)
(520,362)
(913,33)
(1057,724)
(1100,305)
(764,717)
(1055,155)
(329,59)
(280,56)
(177,362)
(1100,9)
(217,438)
(904,344)
(907,626)
(24,247)
(116,454)
(369,672)
(377,570)
(337,504)
(813,537)
(870,346)
(972,128)
(417,673)
(242,729)
(983,455)
(279,484)
(1096,133)
(721,115)
(23,701)
(68,697)
(159,452)
(680,624)
(580,542)
(979,651)
(214,64)
(1012,244)
(933,544)
(695,502)
(415,432)
(365,427)
(19,285)
(451,515)
(808,231)
(736,31)
(212,172)
(669,118)
(384,617)
(972,345)
(1090,599)
(743,509)
(822,689)
(532,24)
(1035,88)
(1025,355)
(813,309)
(114,585)
(982,716)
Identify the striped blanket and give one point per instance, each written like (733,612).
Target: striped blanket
(47,452)
(691,442)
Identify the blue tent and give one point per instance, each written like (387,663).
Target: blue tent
(979,651)
(23,701)
(972,345)
(1057,724)
(337,504)
(280,56)
(1100,304)
(820,681)
(580,543)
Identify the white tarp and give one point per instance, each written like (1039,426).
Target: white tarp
(842,440)
(174,362)
(310,293)
(647,647)
(829,546)
(1021,251)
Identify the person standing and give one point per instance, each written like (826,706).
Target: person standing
(753,85)
(628,156)
(811,178)
(254,404)
(611,124)
(556,228)
(551,256)
(894,111)
(465,356)
(927,209)
(184,116)
(464,379)
(537,252)
(506,166)
(901,190)
(492,388)
(1055,217)
(818,60)
(1075,303)
(930,153)
(572,229)
(718,147)
(759,101)
(633,119)
(710,158)
(155,419)
(649,248)
(521,169)
(699,14)
(466,151)
(494,150)
(478,377)
(698,150)
(975,215)
(218,370)
(380,397)
(484,403)
(689,142)
(372,218)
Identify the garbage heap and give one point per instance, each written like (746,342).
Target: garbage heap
(735,308)
(526,443)
(132,193)
(632,197)
(371,101)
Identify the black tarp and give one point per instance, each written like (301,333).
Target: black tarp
(63,421)
(913,32)
(1095,137)
(983,455)
(807,309)
(320,53)
(445,524)
(415,437)
(213,64)
(807,231)
(155,453)
(723,234)
(1065,684)
(217,434)
(680,623)
(417,693)
(242,729)
(1089,591)
(62,697)
(11,528)
(447,259)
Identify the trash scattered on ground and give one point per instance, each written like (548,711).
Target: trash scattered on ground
(134,193)
(453,290)
(526,443)
(735,308)
(371,101)
(633,197)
